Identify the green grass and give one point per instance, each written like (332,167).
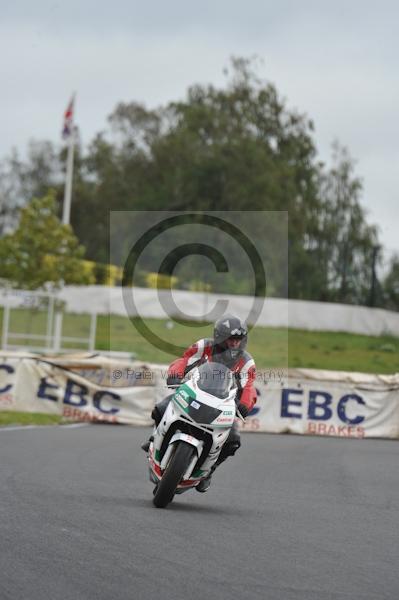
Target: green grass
(271,347)
(8,417)
(338,351)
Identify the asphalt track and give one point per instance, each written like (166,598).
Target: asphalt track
(289,517)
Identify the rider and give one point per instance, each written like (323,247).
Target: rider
(227,347)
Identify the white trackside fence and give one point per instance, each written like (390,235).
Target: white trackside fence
(275,312)
(300,401)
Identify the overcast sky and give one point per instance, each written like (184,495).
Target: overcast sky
(336,61)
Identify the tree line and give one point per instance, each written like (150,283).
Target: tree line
(237,147)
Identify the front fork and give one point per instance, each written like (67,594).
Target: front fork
(156,469)
(188,439)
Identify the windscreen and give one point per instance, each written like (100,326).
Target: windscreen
(215,379)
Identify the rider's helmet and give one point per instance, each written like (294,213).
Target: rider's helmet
(230,327)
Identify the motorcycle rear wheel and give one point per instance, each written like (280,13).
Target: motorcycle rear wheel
(173,474)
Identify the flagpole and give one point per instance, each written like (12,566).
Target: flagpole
(66,212)
(69,133)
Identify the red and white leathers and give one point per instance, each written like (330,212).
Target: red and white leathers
(243,367)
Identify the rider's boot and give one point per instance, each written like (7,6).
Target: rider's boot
(205,484)
(228,450)
(146,445)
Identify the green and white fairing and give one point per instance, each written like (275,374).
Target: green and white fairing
(202,407)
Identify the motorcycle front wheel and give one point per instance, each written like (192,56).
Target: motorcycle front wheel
(173,474)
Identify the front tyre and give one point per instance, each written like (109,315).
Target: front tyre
(173,474)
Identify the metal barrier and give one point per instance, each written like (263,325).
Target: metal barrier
(49,338)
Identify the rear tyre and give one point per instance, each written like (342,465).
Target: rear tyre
(173,474)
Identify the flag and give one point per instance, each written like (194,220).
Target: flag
(68,119)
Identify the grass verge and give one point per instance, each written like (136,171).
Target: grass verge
(8,417)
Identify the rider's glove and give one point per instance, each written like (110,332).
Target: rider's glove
(244,410)
(173,380)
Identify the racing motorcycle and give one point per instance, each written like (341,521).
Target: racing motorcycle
(192,431)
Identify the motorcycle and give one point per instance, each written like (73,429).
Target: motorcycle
(188,440)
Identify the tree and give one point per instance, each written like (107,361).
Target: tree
(346,241)
(220,148)
(22,180)
(41,250)
(390,285)
(8,199)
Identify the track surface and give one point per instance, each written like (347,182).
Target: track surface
(289,517)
